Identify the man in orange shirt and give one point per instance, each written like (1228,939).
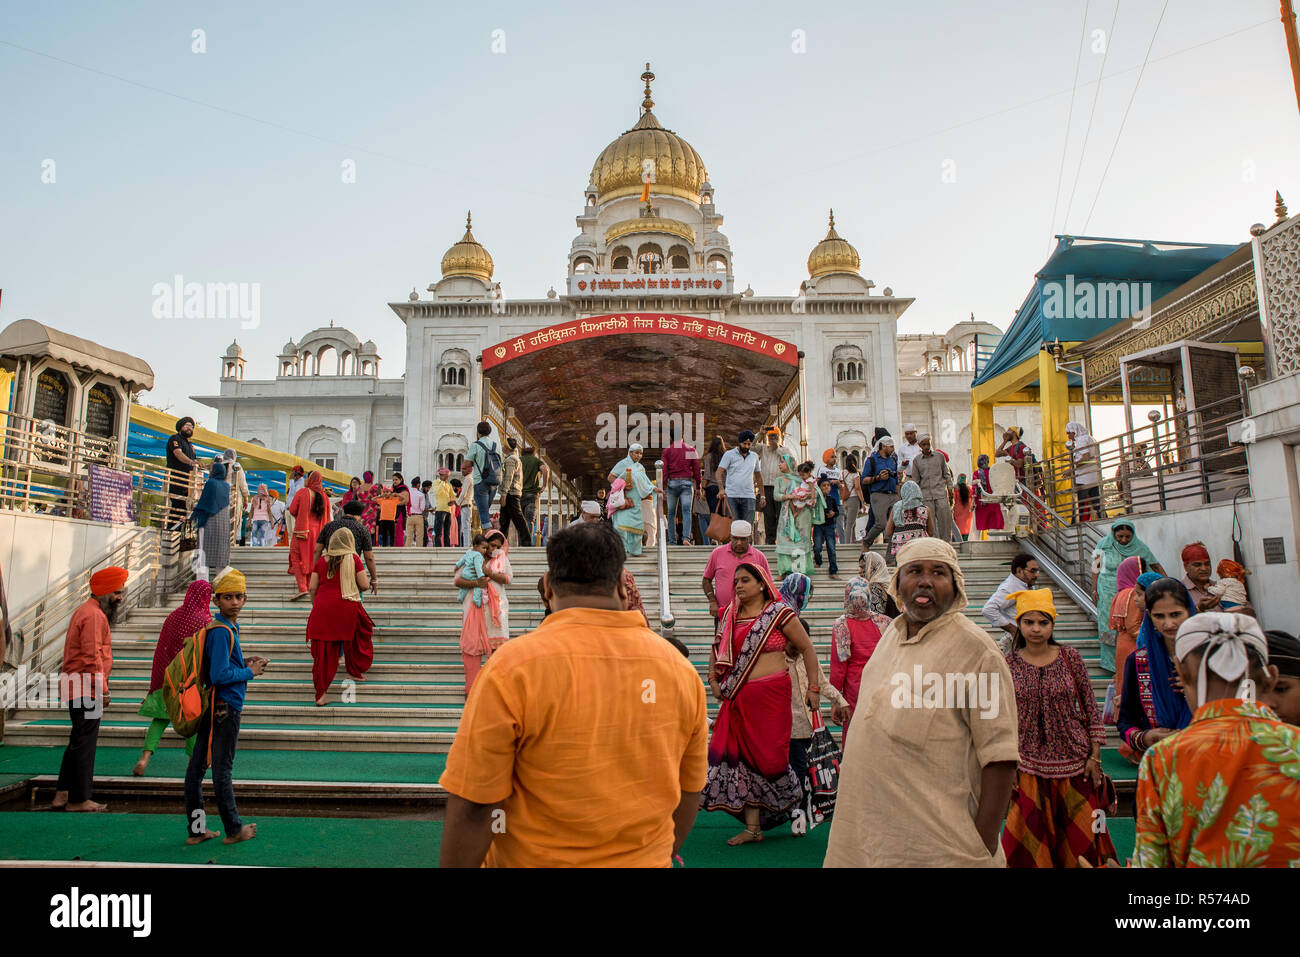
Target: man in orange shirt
(87,661)
(583,743)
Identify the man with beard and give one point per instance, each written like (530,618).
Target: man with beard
(181,462)
(935,746)
(87,661)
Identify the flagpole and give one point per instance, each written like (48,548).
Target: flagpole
(1292,45)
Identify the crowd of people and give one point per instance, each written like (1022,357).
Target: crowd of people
(559,729)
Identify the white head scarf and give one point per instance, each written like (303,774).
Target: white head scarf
(1224,636)
(1077,430)
(634,447)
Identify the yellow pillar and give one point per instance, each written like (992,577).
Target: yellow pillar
(1054,404)
(6,386)
(982,439)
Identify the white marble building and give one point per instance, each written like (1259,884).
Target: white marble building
(631,256)
(327,403)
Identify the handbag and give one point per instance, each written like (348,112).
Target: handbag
(824,757)
(189,536)
(720,523)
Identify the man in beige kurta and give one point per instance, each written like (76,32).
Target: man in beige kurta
(925,752)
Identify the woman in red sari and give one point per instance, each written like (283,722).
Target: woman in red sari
(749,751)
(367,493)
(310,509)
(339,623)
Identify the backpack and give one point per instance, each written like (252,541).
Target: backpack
(185,694)
(490,470)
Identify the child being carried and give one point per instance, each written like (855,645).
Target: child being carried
(473,564)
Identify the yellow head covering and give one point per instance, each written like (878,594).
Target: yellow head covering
(1034,599)
(229,582)
(343,546)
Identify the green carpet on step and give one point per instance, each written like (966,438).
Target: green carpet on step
(352,842)
(160,839)
(250,765)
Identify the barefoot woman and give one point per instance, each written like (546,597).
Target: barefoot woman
(749,752)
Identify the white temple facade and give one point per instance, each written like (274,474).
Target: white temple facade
(648,244)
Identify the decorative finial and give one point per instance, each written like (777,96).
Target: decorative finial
(832,219)
(972,317)
(467,219)
(1279,207)
(647,104)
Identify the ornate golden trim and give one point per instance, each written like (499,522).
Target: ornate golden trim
(650,224)
(1230,303)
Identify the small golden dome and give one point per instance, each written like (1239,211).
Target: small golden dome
(467,258)
(833,254)
(678,168)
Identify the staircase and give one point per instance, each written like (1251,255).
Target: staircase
(412,699)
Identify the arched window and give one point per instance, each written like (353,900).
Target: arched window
(460,376)
(583,265)
(649,259)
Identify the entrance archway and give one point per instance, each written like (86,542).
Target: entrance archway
(587,387)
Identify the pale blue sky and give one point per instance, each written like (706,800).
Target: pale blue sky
(247,188)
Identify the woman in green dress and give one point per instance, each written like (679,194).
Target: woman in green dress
(184,621)
(802,507)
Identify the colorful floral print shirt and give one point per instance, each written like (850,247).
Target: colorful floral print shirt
(1223,792)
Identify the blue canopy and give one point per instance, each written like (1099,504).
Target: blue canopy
(143,442)
(1088,285)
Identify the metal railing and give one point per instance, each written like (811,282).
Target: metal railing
(1184,461)
(1066,546)
(45,468)
(155,570)
(666,620)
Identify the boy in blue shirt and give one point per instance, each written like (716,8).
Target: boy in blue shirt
(227,674)
(825,532)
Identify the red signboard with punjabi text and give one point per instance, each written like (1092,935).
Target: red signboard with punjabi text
(688,327)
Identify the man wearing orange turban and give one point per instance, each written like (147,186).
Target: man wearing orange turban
(1196,568)
(87,661)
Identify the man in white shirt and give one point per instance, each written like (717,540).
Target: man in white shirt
(1087,472)
(769,467)
(909,450)
(739,479)
(1001,610)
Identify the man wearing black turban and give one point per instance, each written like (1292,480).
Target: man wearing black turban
(180,464)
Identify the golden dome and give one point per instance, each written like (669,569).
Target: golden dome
(467,258)
(833,254)
(678,168)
